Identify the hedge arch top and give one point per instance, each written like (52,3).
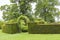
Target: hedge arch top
(23,17)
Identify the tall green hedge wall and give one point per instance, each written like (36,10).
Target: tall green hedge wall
(34,28)
(10,28)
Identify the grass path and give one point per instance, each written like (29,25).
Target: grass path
(26,36)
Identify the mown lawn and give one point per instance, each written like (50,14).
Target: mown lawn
(26,36)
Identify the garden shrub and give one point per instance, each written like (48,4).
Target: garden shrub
(23,23)
(10,28)
(12,21)
(24,27)
(39,21)
(34,28)
(1,23)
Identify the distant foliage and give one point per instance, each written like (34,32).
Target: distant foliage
(46,10)
(10,11)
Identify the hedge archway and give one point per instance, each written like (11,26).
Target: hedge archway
(25,20)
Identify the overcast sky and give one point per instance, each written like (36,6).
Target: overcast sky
(3,2)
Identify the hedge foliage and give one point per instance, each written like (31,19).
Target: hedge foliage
(24,27)
(23,23)
(1,23)
(10,28)
(39,21)
(34,28)
(12,21)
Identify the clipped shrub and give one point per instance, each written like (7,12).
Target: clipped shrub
(23,17)
(39,21)
(23,23)
(1,23)
(34,28)
(24,27)
(12,21)
(10,28)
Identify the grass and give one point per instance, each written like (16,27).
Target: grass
(26,36)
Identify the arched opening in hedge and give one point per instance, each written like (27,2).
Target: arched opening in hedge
(23,22)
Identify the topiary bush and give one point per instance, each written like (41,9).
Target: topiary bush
(10,28)
(39,21)
(23,23)
(34,28)
(24,27)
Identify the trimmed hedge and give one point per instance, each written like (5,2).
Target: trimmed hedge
(10,28)
(1,23)
(34,28)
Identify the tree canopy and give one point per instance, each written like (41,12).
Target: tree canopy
(46,9)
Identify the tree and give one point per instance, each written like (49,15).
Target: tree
(14,11)
(46,9)
(10,11)
(25,7)
(57,15)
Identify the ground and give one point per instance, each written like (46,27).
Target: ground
(26,36)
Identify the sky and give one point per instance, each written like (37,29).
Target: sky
(3,2)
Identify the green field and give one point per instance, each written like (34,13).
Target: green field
(26,36)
